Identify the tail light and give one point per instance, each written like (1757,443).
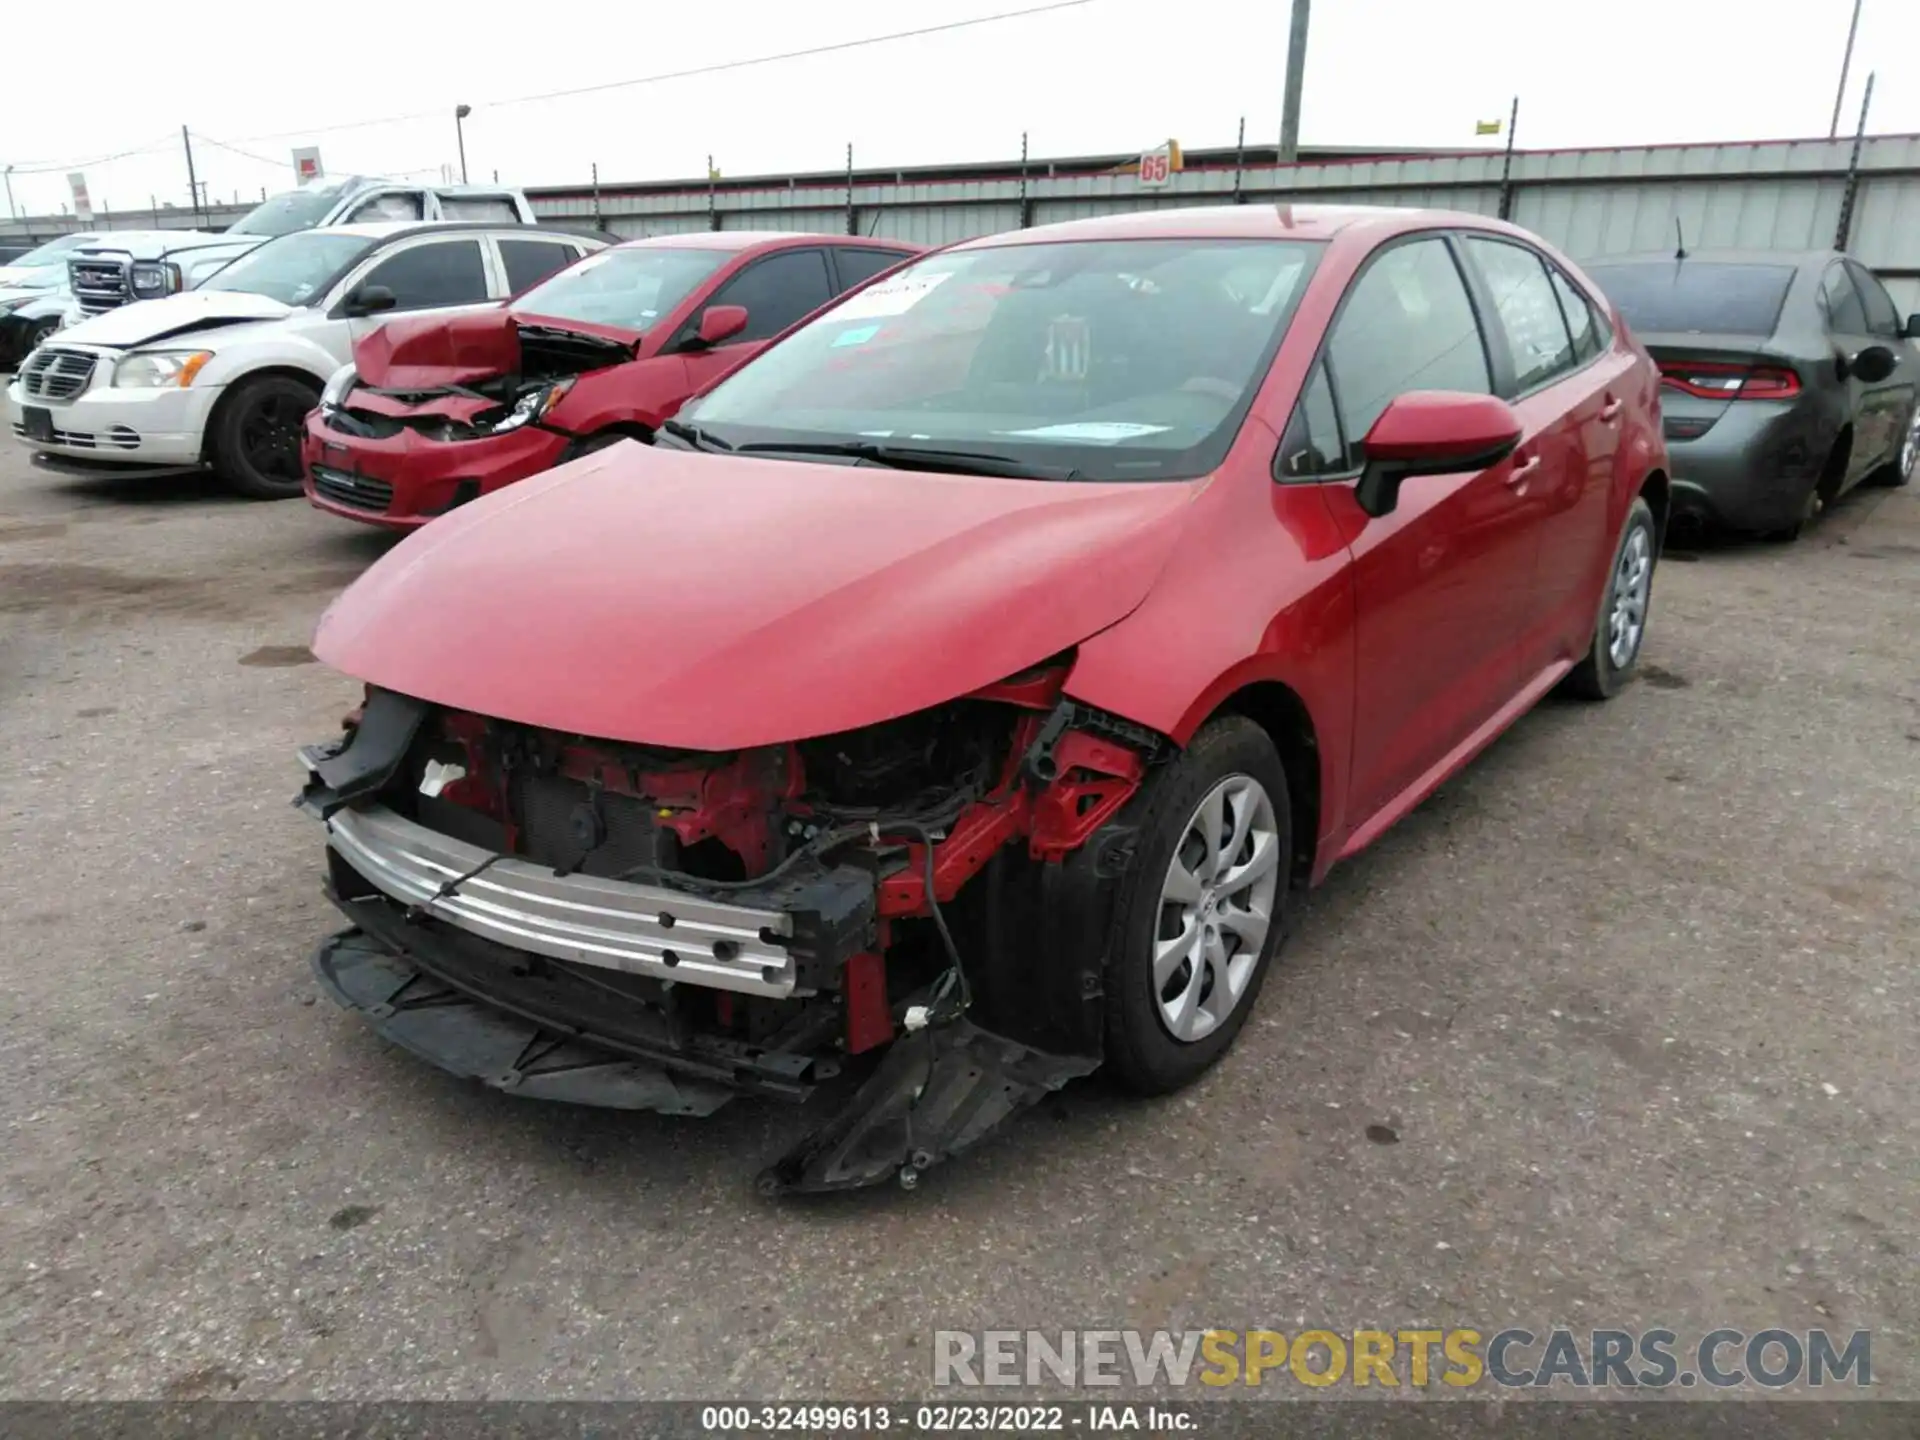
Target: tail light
(1711,380)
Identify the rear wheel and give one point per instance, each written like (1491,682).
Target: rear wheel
(1908,459)
(1622,626)
(256,436)
(1202,909)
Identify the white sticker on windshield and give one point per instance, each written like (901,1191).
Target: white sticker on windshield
(1094,432)
(892,297)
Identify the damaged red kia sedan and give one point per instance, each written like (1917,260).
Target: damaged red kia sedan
(954,699)
(438,410)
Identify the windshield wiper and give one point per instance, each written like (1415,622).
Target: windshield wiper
(914,457)
(693,435)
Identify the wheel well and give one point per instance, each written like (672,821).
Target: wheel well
(1283,715)
(289,372)
(1658,494)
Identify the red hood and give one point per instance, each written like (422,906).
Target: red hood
(714,603)
(433,350)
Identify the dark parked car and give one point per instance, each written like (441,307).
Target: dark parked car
(1786,379)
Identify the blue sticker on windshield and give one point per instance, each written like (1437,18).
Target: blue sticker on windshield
(857,336)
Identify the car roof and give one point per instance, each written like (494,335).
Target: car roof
(1265,221)
(1718,257)
(394,229)
(735,240)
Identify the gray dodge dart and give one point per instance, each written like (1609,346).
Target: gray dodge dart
(1786,379)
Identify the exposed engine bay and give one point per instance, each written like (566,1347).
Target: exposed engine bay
(477,376)
(613,924)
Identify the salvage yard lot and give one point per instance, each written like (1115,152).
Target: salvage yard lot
(1619,1030)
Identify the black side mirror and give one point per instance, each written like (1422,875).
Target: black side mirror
(1912,332)
(1873,364)
(370,300)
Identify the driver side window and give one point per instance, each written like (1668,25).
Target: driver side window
(1406,324)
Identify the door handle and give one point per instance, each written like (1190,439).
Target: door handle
(1610,411)
(1523,472)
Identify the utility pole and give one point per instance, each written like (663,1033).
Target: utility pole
(1846,61)
(1506,163)
(1852,191)
(11,213)
(460,113)
(1296,74)
(193,185)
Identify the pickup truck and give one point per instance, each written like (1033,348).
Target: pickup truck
(130,265)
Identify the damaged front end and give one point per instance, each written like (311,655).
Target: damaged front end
(467,377)
(611,924)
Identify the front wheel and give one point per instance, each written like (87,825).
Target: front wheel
(256,436)
(1201,910)
(1622,626)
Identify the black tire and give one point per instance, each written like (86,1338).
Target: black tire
(1597,677)
(1142,1054)
(1899,471)
(255,443)
(37,336)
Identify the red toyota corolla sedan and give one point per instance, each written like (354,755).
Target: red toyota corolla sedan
(961,692)
(441,409)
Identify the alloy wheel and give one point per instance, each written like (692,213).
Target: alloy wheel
(1910,448)
(1216,907)
(1632,589)
(270,435)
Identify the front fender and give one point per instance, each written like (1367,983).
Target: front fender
(228,367)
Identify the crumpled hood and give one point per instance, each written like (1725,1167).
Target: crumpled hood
(203,314)
(422,351)
(717,602)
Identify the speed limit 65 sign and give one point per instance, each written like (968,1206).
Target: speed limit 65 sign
(1156,168)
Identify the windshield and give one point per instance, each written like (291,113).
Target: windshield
(295,269)
(54,252)
(1696,295)
(293,210)
(630,288)
(1117,360)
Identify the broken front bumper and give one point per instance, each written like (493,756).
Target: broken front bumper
(637,929)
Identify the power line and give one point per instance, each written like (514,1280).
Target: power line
(235,149)
(46,167)
(829,49)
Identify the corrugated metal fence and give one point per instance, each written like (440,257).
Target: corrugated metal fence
(1766,195)
(1771,195)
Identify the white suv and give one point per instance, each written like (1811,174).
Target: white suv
(222,377)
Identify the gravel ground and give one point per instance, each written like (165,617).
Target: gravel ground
(1617,1031)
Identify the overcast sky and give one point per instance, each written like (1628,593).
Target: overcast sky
(1106,75)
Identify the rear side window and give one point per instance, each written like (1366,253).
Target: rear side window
(1882,317)
(858,265)
(1840,302)
(1527,309)
(777,291)
(529,262)
(442,272)
(496,208)
(1581,325)
(1405,325)
(1699,296)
